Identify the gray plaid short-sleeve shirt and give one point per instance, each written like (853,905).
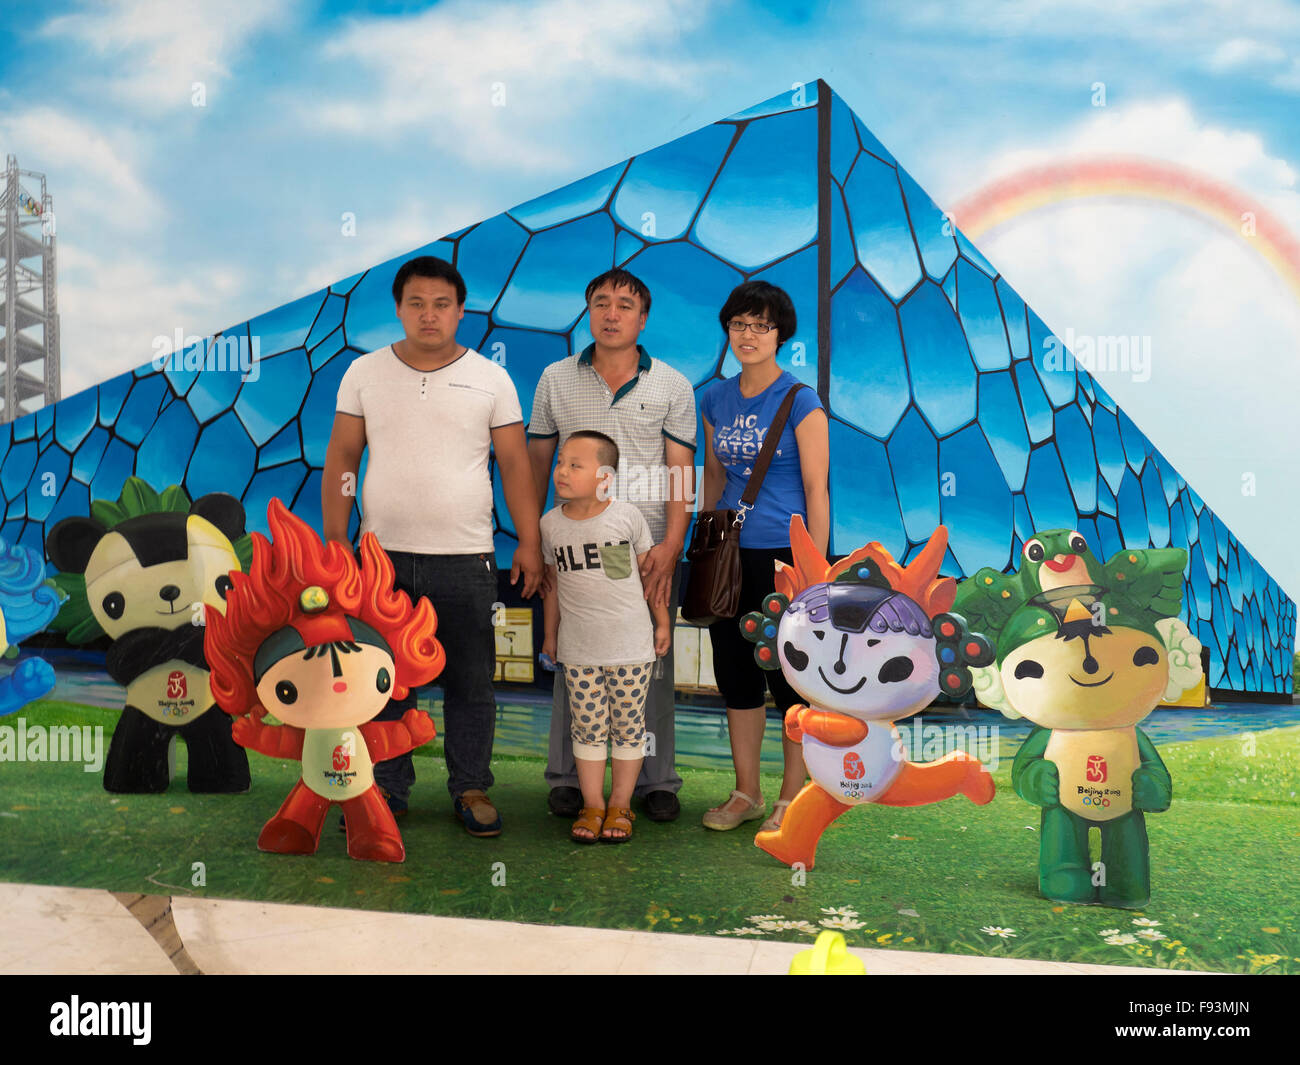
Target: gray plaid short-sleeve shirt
(658,403)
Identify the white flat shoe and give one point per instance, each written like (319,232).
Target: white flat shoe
(723,820)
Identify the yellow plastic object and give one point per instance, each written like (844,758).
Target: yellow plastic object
(1191,697)
(828,957)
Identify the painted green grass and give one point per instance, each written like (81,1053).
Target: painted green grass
(928,878)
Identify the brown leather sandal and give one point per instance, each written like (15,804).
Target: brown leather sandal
(619,818)
(591,818)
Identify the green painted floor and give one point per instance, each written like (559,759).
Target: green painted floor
(951,877)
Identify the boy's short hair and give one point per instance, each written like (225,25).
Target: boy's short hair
(617,279)
(606,449)
(761,298)
(428,266)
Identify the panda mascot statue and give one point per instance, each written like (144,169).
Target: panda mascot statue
(149,579)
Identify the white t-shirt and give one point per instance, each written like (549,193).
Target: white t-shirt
(604,619)
(429,432)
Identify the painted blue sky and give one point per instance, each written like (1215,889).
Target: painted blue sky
(172,215)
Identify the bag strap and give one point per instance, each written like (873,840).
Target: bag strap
(766,453)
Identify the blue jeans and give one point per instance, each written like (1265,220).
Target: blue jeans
(463,590)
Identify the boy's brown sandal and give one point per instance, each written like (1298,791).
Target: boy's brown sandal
(591,818)
(619,818)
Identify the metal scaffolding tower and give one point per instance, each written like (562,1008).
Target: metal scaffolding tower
(27,294)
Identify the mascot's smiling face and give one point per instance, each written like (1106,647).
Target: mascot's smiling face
(330,685)
(859,650)
(1083,675)
(153,570)
(126,593)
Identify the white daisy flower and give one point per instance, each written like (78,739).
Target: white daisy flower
(995,930)
(1151,934)
(741,932)
(769,926)
(766,917)
(839,911)
(846,923)
(1146,922)
(1124,940)
(795,926)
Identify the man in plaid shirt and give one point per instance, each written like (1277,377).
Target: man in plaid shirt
(648,408)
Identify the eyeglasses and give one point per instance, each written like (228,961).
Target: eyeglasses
(758,328)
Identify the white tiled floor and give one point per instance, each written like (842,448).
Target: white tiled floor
(75,930)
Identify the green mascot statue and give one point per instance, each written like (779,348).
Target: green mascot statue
(1085,651)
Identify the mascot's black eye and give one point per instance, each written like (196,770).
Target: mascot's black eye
(114,605)
(286,692)
(819,634)
(1078,544)
(1146,656)
(1029,669)
(383,681)
(224,584)
(1034,552)
(896,669)
(795,656)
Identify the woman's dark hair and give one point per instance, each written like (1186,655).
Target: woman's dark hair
(760,298)
(617,279)
(428,266)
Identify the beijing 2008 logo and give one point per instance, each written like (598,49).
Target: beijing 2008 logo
(1096,769)
(176,687)
(853,767)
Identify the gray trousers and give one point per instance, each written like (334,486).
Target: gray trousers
(659,770)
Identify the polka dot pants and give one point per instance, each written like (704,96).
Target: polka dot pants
(608,702)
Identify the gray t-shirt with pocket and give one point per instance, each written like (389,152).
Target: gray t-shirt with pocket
(604,618)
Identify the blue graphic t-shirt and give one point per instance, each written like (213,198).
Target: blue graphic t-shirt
(739,426)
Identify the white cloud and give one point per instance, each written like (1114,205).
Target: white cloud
(483,81)
(1289,79)
(93,173)
(380,235)
(1163,129)
(112,308)
(157,49)
(1245,52)
(1153,23)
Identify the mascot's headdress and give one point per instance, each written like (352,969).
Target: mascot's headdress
(300,593)
(870,589)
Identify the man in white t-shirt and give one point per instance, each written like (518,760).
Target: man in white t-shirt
(431,411)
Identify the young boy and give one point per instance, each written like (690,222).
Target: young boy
(599,629)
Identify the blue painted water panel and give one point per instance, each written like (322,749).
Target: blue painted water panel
(878,220)
(764,202)
(869,382)
(549,285)
(664,187)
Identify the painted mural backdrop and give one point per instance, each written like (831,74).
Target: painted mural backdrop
(948,399)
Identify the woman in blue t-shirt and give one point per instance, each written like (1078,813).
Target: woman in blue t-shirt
(758,318)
